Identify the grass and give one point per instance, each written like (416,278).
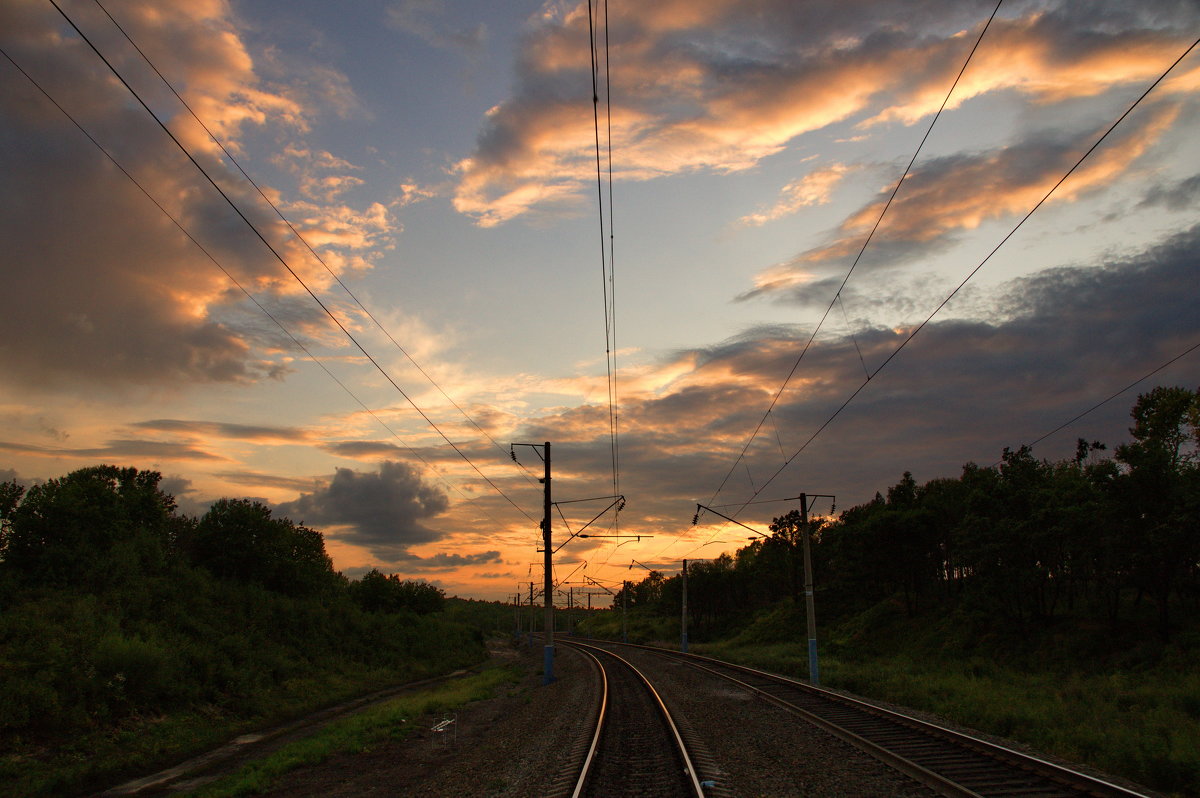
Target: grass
(359,733)
(1136,716)
(143,744)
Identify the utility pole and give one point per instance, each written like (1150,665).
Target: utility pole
(531,613)
(683,620)
(814,674)
(548,651)
(814,670)
(625,611)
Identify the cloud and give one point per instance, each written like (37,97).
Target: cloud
(945,196)
(815,188)
(118,450)
(1037,352)
(1177,196)
(446,562)
(122,296)
(382,511)
(220,429)
(720,86)
(423,18)
(363,450)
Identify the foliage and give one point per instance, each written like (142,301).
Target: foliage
(360,732)
(376,592)
(1055,602)
(1025,541)
(123,619)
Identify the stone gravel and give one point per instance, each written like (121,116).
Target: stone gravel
(762,749)
(517,744)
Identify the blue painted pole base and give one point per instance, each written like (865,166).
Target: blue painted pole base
(814,670)
(547,664)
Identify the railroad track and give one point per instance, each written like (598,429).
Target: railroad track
(636,748)
(946,761)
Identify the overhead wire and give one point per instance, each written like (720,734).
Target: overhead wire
(870,236)
(229,155)
(212,258)
(1113,396)
(285,263)
(913,334)
(607,264)
(232,279)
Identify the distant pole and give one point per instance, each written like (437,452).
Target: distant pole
(548,651)
(683,620)
(625,611)
(814,672)
(531,613)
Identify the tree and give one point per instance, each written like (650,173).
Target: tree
(92,527)
(379,592)
(1158,495)
(238,539)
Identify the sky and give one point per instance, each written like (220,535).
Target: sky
(428,269)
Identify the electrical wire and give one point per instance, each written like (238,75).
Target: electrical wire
(299,344)
(300,237)
(870,236)
(1103,402)
(973,272)
(285,264)
(605,272)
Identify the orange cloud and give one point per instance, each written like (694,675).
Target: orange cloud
(719,86)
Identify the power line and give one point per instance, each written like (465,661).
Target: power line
(606,266)
(300,237)
(284,262)
(1126,389)
(228,274)
(973,272)
(838,294)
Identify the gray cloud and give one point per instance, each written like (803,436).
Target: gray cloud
(246,432)
(383,510)
(119,449)
(423,18)
(444,561)
(1175,197)
(362,449)
(1052,345)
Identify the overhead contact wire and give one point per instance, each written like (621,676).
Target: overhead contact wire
(285,264)
(226,272)
(870,236)
(300,237)
(975,271)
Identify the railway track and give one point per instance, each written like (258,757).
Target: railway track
(636,748)
(948,762)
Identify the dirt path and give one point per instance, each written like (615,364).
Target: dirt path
(510,745)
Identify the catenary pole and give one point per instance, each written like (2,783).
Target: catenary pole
(548,651)
(683,621)
(814,673)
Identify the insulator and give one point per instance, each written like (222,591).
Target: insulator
(695,519)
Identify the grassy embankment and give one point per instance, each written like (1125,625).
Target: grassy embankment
(1125,702)
(360,732)
(100,689)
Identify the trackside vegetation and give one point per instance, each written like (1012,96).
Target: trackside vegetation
(131,635)
(1057,603)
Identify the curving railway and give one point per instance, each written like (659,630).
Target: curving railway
(943,761)
(636,748)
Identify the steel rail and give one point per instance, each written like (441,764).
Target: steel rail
(677,738)
(1083,783)
(591,752)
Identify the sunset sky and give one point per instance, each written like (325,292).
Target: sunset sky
(440,158)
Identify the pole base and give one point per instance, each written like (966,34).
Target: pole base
(547,665)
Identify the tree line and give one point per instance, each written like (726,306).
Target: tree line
(116,606)
(1026,541)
